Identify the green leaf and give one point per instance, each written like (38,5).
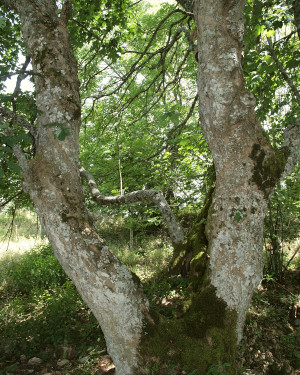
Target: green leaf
(2,22)
(14,167)
(239,216)
(61,134)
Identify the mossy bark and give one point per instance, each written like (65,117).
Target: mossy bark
(191,256)
(203,336)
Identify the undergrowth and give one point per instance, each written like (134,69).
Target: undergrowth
(41,311)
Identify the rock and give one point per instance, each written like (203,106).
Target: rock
(23,358)
(84,359)
(62,362)
(67,352)
(35,361)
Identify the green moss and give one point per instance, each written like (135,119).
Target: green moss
(267,171)
(204,336)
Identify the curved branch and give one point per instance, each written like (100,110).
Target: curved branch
(154,196)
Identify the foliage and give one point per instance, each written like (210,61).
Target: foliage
(37,269)
(277,106)
(282,224)
(40,308)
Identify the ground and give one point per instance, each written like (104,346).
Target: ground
(42,316)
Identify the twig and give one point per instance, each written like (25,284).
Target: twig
(289,262)
(11,198)
(282,71)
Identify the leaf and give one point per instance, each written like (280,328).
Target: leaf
(239,216)
(61,134)
(2,22)
(13,166)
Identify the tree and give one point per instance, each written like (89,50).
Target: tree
(247,166)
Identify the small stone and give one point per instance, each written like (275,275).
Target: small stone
(35,361)
(67,352)
(84,359)
(23,358)
(63,362)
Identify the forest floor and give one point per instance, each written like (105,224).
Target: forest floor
(45,328)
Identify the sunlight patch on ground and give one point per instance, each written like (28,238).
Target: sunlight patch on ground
(22,245)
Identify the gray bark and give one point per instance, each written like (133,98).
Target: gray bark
(155,196)
(52,179)
(242,156)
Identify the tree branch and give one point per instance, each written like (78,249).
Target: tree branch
(296,8)
(154,196)
(16,149)
(11,198)
(282,71)
(8,114)
(188,5)
(65,12)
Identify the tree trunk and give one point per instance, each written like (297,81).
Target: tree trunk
(246,166)
(53,181)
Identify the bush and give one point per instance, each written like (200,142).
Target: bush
(40,308)
(34,270)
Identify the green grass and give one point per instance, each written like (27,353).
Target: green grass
(25,225)
(41,311)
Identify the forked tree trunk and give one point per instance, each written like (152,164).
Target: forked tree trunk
(212,317)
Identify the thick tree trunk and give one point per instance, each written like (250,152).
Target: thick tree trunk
(246,166)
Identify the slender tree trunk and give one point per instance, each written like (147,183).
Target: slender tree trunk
(53,181)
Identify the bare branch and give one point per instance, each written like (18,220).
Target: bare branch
(8,114)
(282,71)
(154,196)
(11,198)
(20,78)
